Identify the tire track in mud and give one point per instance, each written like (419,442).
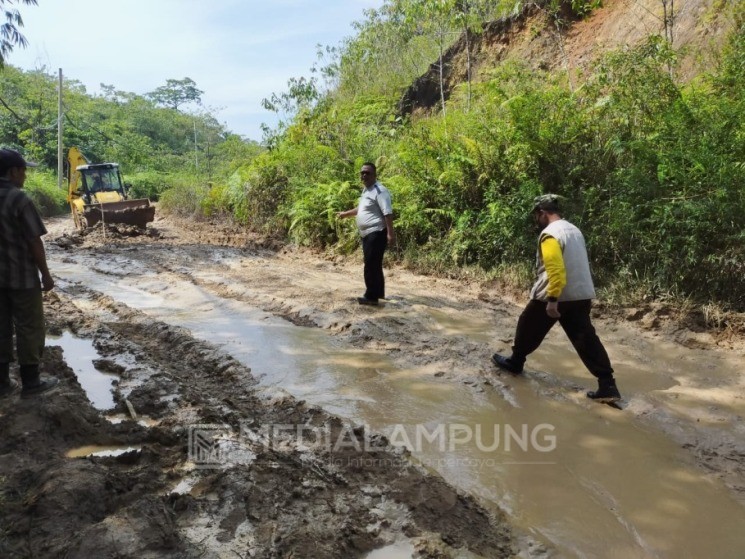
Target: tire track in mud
(286,497)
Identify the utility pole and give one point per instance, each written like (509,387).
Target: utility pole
(60,161)
(196,152)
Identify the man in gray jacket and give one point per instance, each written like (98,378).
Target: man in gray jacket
(22,260)
(563,292)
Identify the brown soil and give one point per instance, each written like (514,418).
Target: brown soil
(699,31)
(286,500)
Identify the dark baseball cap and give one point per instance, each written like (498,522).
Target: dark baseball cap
(10,158)
(547,202)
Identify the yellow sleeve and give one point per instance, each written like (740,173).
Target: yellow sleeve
(553,261)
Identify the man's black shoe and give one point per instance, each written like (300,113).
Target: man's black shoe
(506,363)
(606,392)
(42,386)
(366,301)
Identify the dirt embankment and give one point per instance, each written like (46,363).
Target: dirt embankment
(699,30)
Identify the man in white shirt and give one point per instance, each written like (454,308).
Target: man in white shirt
(374,214)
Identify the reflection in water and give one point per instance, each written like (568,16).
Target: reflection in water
(607,487)
(100,451)
(143,420)
(401,550)
(79,354)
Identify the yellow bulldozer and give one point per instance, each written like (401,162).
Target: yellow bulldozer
(96,193)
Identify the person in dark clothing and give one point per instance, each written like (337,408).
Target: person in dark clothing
(563,293)
(374,214)
(22,260)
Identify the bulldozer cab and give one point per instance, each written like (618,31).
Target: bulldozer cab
(101,183)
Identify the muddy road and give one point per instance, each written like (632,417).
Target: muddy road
(224,396)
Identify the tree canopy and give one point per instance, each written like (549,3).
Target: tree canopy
(10,36)
(176,93)
(159,145)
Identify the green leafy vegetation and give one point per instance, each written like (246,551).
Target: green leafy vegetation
(10,35)
(653,169)
(157,143)
(41,186)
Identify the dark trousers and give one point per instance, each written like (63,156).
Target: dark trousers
(22,310)
(373,248)
(534,324)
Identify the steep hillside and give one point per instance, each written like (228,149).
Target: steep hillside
(700,26)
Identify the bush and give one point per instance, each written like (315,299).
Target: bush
(313,210)
(258,191)
(41,186)
(148,184)
(218,200)
(185,198)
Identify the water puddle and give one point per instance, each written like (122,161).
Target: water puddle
(185,485)
(585,478)
(143,420)
(100,451)
(79,354)
(399,550)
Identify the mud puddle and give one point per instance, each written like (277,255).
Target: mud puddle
(80,355)
(573,470)
(403,550)
(100,451)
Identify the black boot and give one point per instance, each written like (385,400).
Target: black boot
(606,392)
(7,386)
(32,384)
(509,364)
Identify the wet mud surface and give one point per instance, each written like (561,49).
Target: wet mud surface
(334,488)
(278,501)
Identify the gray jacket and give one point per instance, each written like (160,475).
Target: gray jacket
(579,279)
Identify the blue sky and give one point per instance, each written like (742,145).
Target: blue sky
(237,51)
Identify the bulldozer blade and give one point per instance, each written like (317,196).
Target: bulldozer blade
(129,212)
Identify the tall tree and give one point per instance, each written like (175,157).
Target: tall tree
(443,21)
(177,92)
(469,16)
(436,18)
(10,36)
